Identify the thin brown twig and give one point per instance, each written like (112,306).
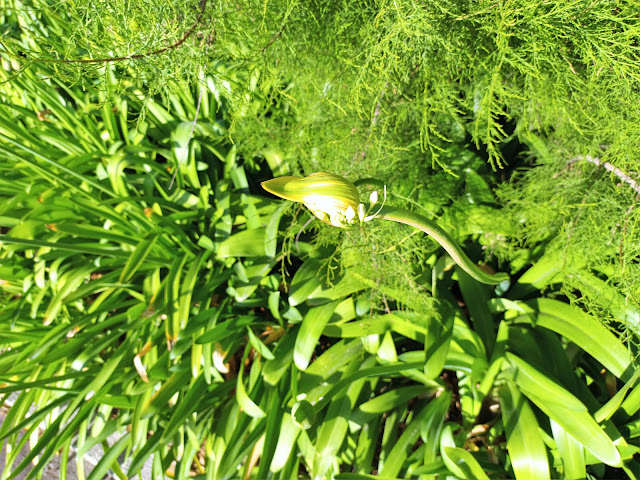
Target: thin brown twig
(203,5)
(610,168)
(275,37)
(626,179)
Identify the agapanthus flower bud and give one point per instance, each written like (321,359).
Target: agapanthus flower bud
(330,197)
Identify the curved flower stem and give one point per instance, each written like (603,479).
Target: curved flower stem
(429,227)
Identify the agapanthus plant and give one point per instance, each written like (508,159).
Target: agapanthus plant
(335,201)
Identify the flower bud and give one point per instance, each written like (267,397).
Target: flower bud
(330,197)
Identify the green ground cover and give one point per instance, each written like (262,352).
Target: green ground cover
(150,288)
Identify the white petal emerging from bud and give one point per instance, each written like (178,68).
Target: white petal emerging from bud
(350,214)
(373,199)
(361,213)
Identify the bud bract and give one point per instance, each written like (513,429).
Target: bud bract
(330,197)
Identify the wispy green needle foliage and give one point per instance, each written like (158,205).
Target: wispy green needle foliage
(76,39)
(585,215)
(425,71)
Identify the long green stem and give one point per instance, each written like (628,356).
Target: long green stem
(401,215)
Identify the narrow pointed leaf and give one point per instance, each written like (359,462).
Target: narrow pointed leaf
(312,326)
(525,445)
(566,410)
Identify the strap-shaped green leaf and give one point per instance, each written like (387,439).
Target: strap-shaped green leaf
(389,400)
(271,232)
(432,426)
(245,402)
(403,447)
(312,326)
(583,330)
(526,448)
(437,341)
(110,456)
(331,434)
(245,243)
(305,281)
(571,452)
(286,439)
(459,461)
(138,256)
(565,409)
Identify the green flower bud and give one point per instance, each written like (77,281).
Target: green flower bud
(330,197)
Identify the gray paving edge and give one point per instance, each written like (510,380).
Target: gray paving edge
(52,470)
